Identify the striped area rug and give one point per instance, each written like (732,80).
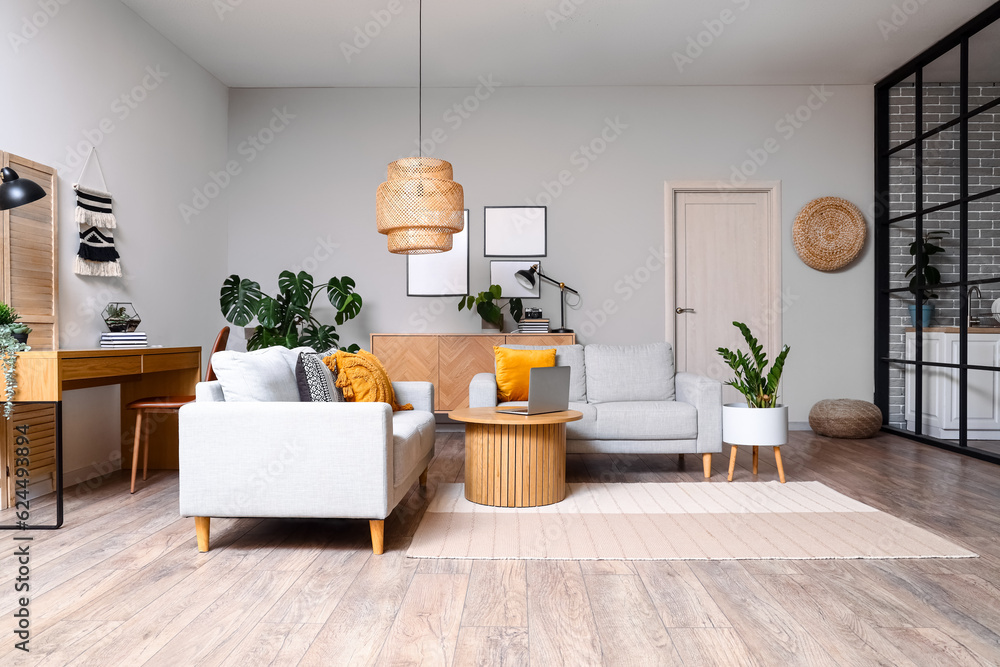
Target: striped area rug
(683,521)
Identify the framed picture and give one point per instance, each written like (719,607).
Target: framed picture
(515,231)
(502,274)
(443,273)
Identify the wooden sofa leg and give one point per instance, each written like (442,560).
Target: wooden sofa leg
(378,535)
(706,461)
(423,478)
(201,527)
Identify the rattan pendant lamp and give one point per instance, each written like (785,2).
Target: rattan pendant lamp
(419,206)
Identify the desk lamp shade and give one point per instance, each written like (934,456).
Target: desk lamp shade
(419,206)
(16,191)
(526,277)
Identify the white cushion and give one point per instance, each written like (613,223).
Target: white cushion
(629,372)
(261,375)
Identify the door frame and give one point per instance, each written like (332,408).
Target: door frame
(773,190)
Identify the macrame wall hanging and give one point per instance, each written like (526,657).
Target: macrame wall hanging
(97,255)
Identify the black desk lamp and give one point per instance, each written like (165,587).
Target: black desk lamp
(16,191)
(527,280)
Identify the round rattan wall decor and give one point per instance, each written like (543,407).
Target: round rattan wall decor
(829,233)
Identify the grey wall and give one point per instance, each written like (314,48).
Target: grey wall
(306,199)
(63,75)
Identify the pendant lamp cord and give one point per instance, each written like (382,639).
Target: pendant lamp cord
(420,76)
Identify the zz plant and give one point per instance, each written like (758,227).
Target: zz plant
(286,320)
(753,380)
(9,347)
(488,305)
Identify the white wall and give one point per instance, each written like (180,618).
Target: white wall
(306,200)
(62,84)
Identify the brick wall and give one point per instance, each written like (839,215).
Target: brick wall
(941,185)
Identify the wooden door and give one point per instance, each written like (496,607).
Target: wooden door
(727,253)
(461,358)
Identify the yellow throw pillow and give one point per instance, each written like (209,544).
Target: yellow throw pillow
(363,379)
(514,370)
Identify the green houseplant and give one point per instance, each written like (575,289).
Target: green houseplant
(488,305)
(932,277)
(753,380)
(766,423)
(9,347)
(286,319)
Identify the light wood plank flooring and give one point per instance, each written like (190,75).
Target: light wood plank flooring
(123,583)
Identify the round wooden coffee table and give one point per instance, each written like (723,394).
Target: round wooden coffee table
(514,460)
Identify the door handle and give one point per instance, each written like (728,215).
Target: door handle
(684,310)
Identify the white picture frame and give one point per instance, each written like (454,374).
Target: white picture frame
(502,273)
(515,231)
(443,273)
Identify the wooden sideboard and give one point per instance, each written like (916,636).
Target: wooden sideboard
(449,360)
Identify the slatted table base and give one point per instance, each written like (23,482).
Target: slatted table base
(508,465)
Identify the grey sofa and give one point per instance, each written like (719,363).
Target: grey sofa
(632,401)
(302,460)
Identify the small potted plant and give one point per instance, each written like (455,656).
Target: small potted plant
(932,277)
(13,335)
(488,306)
(121,317)
(761,420)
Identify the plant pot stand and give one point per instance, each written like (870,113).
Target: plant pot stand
(777,462)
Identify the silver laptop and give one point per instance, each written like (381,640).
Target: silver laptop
(548,391)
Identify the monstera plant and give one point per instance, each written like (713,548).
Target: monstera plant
(286,319)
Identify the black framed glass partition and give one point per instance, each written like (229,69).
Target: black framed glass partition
(937,243)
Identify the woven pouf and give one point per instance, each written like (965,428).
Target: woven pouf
(845,418)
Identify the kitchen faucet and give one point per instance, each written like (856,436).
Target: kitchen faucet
(973,321)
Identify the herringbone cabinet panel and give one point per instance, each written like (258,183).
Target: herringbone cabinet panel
(461,357)
(408,358)
(449,361)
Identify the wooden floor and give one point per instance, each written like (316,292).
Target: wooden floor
(123,582)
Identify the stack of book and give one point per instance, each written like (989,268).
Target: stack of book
(123,340)
(532,326)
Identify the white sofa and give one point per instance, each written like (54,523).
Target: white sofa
(632,401)
(302,460)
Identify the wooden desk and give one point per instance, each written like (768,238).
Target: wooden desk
(43,376)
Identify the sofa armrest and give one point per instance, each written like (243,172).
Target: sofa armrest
(483,391)
(419,394)
(705,395)
(209,392)
(286,460)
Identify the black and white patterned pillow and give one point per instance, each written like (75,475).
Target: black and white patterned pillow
(315,381)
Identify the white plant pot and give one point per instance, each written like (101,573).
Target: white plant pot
(743,425)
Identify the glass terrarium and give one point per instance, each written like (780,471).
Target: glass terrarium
(121,316)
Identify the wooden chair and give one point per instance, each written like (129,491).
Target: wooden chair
(164,404)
